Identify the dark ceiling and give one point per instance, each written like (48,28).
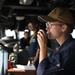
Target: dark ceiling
(10,9)
(37,7)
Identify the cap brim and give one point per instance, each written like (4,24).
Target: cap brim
(46,19)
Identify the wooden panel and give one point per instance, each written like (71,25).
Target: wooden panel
(21,72)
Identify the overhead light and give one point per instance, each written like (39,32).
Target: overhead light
(25,2)
(19,18)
